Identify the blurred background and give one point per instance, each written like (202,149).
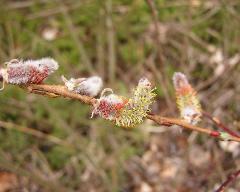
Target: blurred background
(121,41)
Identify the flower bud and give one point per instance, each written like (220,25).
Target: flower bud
(85,86)
(187,100)
(29,71)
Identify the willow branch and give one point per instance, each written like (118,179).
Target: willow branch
(232,177)
(60,91)
(220,124)
(172,121)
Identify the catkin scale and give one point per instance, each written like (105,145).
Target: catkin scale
(109,107)
(19,75)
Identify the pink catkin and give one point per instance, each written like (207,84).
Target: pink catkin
(109,107)
(186,99)
(30,71)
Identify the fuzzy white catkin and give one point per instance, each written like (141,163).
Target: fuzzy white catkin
(87,86)
(91,86)
(29,71)
(44,62)
(106,106)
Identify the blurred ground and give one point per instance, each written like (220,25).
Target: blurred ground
(118,40)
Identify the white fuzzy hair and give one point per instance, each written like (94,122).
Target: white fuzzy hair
(41,63)
(179,79)
(87,86)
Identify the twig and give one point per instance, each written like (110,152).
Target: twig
(162,79)
(59,90)
(111,42)
(23,4)
(220,124)
(100,45)
(154,13)
(172,121)
(36,133)
(45,13)
(79,44)
(47,185)
(232,177)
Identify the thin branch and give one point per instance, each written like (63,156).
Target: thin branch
(162,79)
(61,91)
(220,124)
(30,131)
(57,91)
(232,177)
(73,32)
(47,185)
(172,121)
(154,13)
(111,42)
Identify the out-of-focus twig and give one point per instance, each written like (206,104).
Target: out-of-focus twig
(79,44)
(172,121)
(231,178)
(154,12)
(162,79)
(23,4)
(111,44)
(47,185)
(101,52)
(220,124)
(51,11)
(30,131)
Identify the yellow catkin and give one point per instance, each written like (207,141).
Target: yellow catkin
(138,105)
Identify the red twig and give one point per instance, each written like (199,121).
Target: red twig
(220,124)
(172,121)
(231,178)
